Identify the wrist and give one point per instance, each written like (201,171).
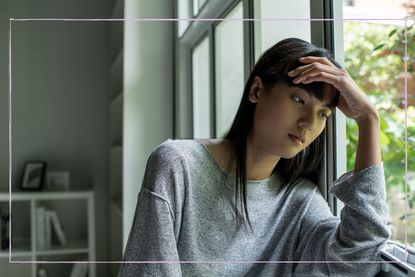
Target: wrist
(370,118)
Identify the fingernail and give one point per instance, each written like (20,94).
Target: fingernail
(290,73)
(302,58)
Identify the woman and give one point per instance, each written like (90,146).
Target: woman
(220,207)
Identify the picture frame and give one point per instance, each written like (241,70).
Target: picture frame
(57,180)
(33,175)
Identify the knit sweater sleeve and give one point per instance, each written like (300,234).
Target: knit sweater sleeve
(151,249)
(328,245)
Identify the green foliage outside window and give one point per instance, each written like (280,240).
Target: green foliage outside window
(375,60)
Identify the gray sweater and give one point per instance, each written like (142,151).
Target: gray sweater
(184,222)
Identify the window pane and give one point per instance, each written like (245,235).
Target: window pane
(229,67)
(267,33)
(381,75)
(201,90)
(201,3)
(195,7)
(183,13)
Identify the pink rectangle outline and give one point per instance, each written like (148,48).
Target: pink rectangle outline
(208,19)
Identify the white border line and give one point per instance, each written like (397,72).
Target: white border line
(207,19)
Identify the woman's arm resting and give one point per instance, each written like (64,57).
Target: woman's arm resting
(357,236)
(368,148)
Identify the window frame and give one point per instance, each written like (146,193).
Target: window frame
(327,34)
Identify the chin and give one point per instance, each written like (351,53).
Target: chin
(287,157)
(288,154)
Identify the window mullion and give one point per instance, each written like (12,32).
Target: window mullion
(249,41)
(211,36)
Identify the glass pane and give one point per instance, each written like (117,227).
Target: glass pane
(267,33)
(229,69)
(201,90)
(380,73)
(195,7)
(183,13)
(201,3)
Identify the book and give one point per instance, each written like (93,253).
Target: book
(48,229)
(42,272)
(57,227)
(40,228)
(79,270)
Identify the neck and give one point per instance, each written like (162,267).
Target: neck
(259,161)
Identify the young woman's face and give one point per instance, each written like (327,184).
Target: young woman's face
(285,111)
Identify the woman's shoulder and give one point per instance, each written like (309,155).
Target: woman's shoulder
(173,150)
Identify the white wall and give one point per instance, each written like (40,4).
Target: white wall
(148,93)
(60,96)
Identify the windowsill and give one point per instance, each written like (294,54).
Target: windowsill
(399,258)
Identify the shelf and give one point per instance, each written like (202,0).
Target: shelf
(19,249)
(8,269)
(15,254)
(73,247)
(46,195)
(75,209)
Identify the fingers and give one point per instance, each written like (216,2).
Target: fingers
(313,62)
(317,69)
(326,77)
(313,70)
(322,60)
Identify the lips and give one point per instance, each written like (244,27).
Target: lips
(301,138)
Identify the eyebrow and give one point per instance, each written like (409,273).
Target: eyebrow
(329,105)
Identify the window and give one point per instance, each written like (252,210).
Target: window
(380,73)
(201,90)
(197,6)
(268,32)
(183,12)
(212,56)
(348,2)
(374,57)
(229,69)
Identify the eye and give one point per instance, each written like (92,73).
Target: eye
(301,101)
(325,115)
(298,99)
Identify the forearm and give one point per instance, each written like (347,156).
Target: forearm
(368,148)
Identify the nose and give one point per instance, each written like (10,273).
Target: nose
(307,120)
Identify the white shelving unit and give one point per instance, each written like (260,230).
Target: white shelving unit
(76,213)
(116,135)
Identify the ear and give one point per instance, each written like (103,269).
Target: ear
(256,89)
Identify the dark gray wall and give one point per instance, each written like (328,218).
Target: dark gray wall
(60,107)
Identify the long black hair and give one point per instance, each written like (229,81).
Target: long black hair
(272,67)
